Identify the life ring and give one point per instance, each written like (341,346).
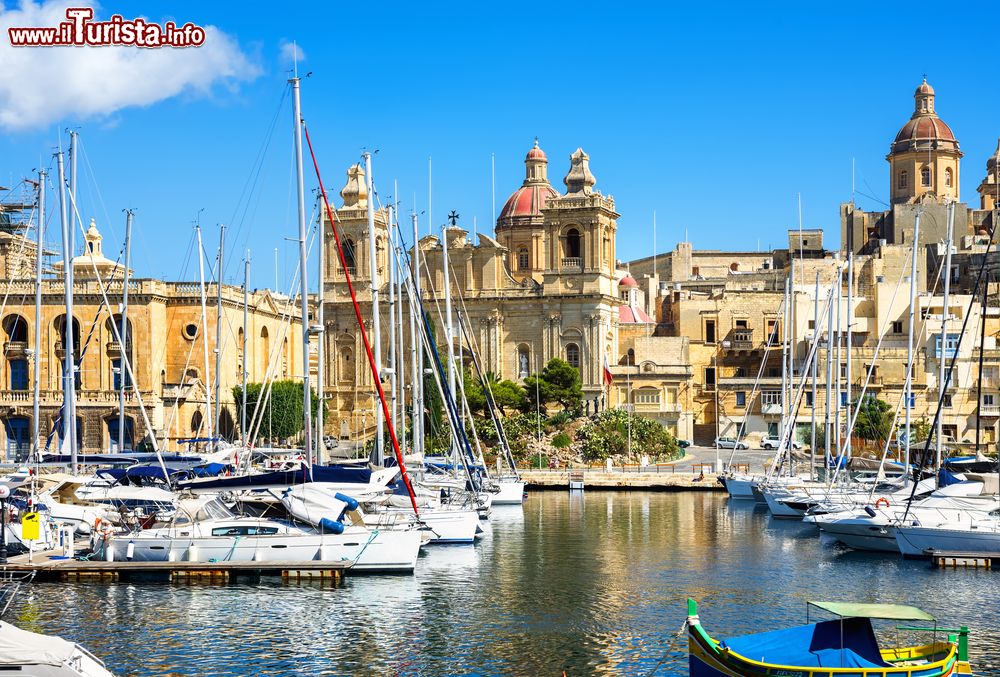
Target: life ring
(103,528)
(882,502)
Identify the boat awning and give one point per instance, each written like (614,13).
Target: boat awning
(889,612)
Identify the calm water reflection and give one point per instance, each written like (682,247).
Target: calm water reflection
(590,584)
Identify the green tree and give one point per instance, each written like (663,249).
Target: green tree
(282,416)
(874,419)
(607,434)
(559,382)
(508,395)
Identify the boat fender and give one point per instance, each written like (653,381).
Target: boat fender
(130,551)
(882,502)
(870,511)
(352,503)
(330,526)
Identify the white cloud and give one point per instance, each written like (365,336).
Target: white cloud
(291,52)
(43,85)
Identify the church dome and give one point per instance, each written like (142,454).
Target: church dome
(924,130)
(628,281)
(529,200)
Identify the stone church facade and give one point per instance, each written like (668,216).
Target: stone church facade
(546,285)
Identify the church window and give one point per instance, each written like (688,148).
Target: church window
(349,254)
(522,258)
(630,357)
(196,421)
(925,176)
(190,331)
(574,249)
(573,355)
(948,177)
(904,179)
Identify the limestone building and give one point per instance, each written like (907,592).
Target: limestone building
(546,285)
(164,345)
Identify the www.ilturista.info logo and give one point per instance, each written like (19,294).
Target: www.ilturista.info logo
(81,31)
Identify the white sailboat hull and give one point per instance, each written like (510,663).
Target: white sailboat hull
(914,541)
(511,493)
(369,550)
(740,487)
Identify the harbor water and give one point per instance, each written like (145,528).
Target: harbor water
(589,583)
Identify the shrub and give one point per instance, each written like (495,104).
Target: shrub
(561,441)
(607,434)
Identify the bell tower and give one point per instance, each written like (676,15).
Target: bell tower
(989,189)
(580,229)
(924,159)
(352,226)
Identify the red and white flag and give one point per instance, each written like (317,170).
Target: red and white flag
(607,371)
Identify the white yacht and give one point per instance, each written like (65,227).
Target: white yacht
(204,529)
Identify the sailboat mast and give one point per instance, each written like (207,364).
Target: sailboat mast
(416,346)
(909,339)
(320,347)
(69,363)
(827,430)
(784,360)
(207,381)
(848,341)
(398,325)
(393,381)
(123,330)
(815,369)
(39,245)
(304,267)
(376,325)
(218,326)
(943,337)
(246,329)
(836,359)
(449,334)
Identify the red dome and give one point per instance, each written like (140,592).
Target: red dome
(628,281)
(528,200)
(536,153)
(923,132)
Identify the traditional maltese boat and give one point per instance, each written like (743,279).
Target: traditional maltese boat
(846,645)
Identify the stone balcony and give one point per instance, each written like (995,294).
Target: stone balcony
(15,348)
(572,263)
(989,410)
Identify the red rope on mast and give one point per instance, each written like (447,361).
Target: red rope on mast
(361,326)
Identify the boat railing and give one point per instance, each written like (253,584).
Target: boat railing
(959,636)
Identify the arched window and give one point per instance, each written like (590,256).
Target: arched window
(904,180)
(239,348)
(129,440)
(196,421)
(573,355)
(948,177)
(60,326)
(345,367)
(16,329)
(574,245)
(15,349)
(523,361)
(925,176)
(284,358)
(349,255)
(522,258)
(630,357)
(263,355)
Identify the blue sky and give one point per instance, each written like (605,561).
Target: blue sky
(716,116)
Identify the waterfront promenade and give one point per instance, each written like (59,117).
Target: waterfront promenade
(694,472)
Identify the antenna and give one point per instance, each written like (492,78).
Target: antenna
(852,182)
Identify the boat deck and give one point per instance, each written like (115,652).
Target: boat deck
(48,569)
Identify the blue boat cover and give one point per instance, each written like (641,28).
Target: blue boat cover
(341,474)
(847,643)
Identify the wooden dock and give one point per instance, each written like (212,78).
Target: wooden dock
(944,559)
(46,568)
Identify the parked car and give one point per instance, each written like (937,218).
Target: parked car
(772,442)
(730,443)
